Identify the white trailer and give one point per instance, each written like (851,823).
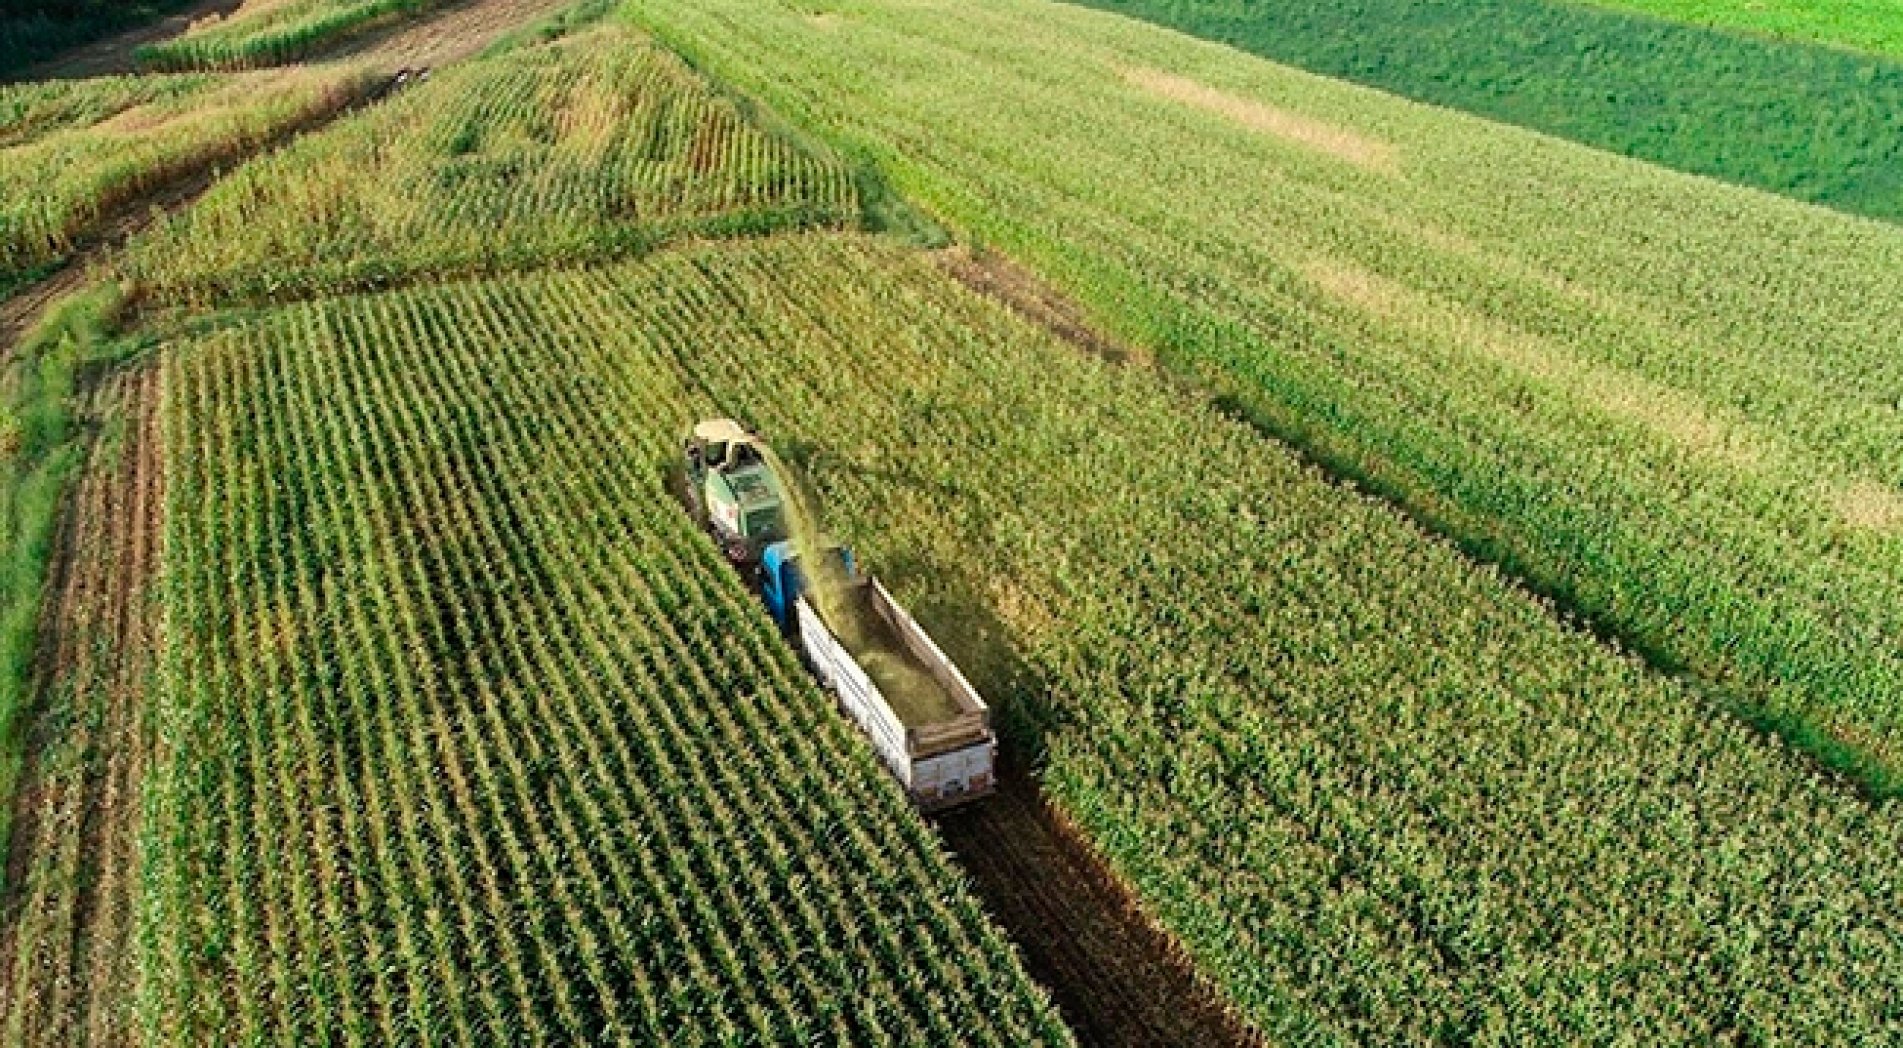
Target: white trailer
(944,756)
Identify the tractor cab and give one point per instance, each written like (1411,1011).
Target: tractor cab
(733,488)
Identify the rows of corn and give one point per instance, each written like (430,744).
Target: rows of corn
(1675,405)
(471,736)
(598,145)
(1379,793)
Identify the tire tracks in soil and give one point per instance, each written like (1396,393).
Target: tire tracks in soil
(1119,979)
(66,967)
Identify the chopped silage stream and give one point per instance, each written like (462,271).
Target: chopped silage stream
(908,686)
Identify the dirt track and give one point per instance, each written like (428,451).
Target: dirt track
(1118,978)
(66,972)
(453,32)
(114,53)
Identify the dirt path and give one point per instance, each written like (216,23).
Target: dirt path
(1117,977)
(66,970)
(114,53)
(450,33)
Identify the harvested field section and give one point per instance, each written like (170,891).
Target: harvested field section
(1359,779)
(270,32)
(446,34)
(1118,978)
(67,973)
(470,736)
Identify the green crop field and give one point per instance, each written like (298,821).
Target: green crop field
(72,151)
(272,32)
(1675,404)
(471,737)
(1812,122)
(1378,793)
(1434,582)
(596,145)
(1868,25)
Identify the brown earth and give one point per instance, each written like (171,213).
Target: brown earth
(443,36)
(66,969)
(994,276)
(1118,978)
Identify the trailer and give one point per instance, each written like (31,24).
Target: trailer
(927,724)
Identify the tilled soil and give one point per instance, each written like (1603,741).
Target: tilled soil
(1118,978)
(66,971)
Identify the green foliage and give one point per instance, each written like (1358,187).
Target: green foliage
(1810,122)
(38,451)
(275,33)
(1675,405)
(470,735)
(1868,25)
(596,145)
(73,151)
(434,615)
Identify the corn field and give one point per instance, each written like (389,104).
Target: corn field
(596,145)
(503,737)
(470,736)
(1676,406)
(71,153)
(272,32)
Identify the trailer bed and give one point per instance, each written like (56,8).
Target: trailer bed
(914,691)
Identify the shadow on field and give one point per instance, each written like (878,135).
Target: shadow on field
(1117,977)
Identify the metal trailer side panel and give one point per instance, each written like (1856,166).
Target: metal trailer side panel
(947,779)
(855,690)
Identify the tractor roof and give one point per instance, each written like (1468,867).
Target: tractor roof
(721,431)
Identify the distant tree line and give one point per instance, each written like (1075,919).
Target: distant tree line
(33,30)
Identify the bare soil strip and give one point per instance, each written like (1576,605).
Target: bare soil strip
(66,972)
(1117,977)
(443,36)
(994,276)
(114,54)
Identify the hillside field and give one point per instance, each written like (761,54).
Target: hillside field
(1434,582)
(1682,83)
(1674,405)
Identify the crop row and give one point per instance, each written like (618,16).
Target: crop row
(1381,794)
(273,33)
(1676,405)
(469,736)
(69,155)
(598,144)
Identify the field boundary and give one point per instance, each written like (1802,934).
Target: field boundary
(70,862)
